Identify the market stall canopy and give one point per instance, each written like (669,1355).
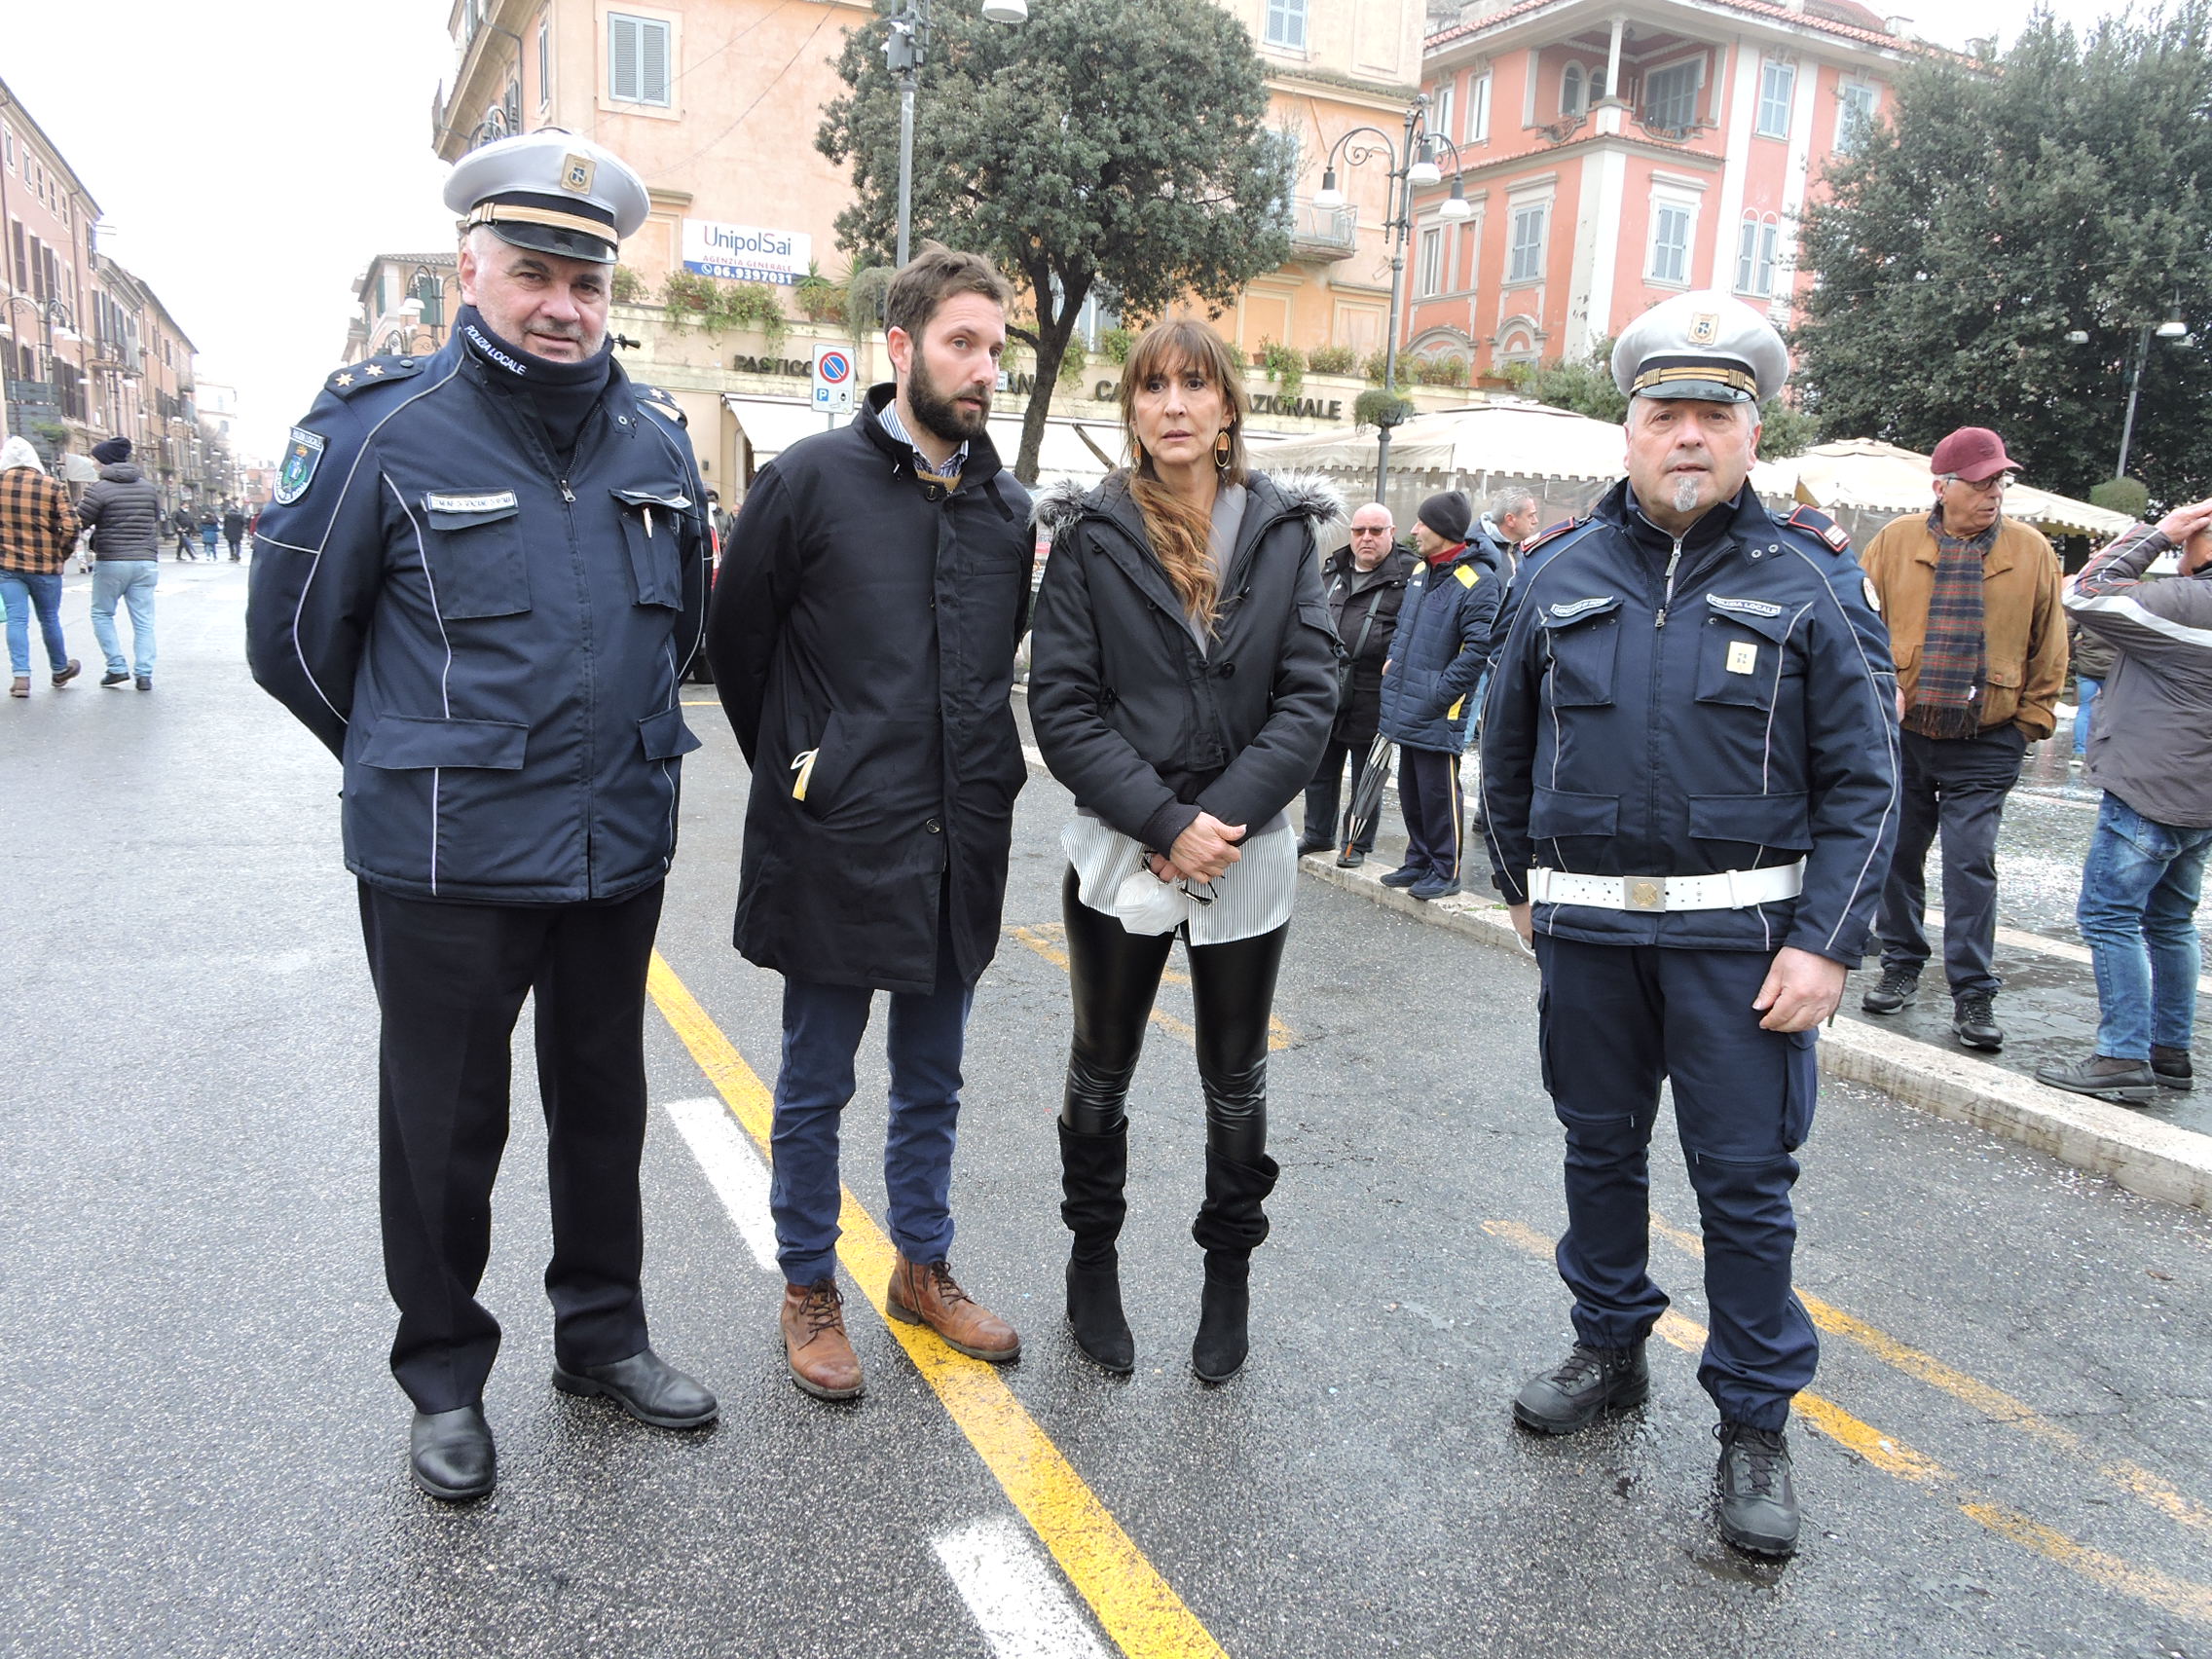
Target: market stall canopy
(1862,475)
(1489,440)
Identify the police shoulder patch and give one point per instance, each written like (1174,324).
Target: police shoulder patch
(303,453)
(355,378)
(1821,525)
(661,402)
(1544,535)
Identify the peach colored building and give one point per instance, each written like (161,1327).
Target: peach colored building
(47,219)
(1615,154)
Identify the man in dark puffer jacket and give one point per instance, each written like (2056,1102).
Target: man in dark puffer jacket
(125,516)
(1437,656)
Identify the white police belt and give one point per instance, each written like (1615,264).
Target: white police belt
(1725,890)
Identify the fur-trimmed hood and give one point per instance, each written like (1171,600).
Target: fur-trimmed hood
(1309,495)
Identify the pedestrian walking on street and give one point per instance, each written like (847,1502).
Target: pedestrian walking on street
(1437,658)
(1971,600)
(2091,656)
(1690,774)
(234,529)
(210,528)
(123,512)
(2151,753)
(863,635)
(1365,583)
(38,529)
(1182,685)
(483,575)
(186,527)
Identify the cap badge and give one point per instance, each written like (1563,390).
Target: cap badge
(1704,328)
(576,173)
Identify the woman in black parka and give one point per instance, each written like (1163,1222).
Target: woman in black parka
(1182,685)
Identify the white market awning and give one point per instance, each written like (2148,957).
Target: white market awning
(1876,477)
(772,425)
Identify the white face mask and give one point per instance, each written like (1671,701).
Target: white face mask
(1147,905)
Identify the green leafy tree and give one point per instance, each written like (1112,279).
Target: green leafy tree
(1586,387)
(2071,190)
(1116,147)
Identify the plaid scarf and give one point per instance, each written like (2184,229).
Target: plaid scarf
(1953,653)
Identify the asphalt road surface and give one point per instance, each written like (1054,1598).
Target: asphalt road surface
(2008,1452)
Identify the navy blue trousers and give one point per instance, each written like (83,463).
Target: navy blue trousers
(1616,1019)
(823,1026)
(1430,802)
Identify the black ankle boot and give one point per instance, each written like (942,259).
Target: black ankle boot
(1224,1309)
(1093,1172)
(1095,1320)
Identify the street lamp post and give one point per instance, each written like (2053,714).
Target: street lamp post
(903,52)
(2173,328)
(1418,172)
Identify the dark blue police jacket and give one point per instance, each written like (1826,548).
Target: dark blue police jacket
(1441,645)
(1735,711)
(490,644)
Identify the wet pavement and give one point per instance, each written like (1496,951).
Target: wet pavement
(2008,1455)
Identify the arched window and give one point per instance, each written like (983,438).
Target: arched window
(1572,97)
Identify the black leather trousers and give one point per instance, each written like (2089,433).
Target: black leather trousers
(1115,974)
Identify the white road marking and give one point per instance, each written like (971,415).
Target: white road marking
(1012,1594)
(733,1169)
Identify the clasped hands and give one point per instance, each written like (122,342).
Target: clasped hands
(1203,852)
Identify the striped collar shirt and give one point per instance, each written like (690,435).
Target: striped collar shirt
(955,463)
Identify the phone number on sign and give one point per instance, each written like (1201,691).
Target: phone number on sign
(740,273)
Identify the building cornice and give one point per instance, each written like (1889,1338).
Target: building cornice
(1769,17)
(10,102)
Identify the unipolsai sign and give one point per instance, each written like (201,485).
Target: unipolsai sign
(746,253)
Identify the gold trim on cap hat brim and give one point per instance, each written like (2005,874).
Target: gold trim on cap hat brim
(1741,380)
(495,213)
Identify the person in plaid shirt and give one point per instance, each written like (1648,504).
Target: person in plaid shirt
(38,529)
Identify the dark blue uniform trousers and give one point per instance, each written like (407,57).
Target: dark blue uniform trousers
(823,1026)
(1616,1019)
(450,978)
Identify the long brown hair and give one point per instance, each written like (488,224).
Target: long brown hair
(1179,532)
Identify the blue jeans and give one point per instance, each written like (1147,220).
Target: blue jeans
(131,580)
(2089,689)
(822,1029)
(2138,916)
(24,593)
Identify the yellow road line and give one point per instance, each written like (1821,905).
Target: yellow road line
(1137,1608)
(1048,939)
(2175,1596)
(1993,1403)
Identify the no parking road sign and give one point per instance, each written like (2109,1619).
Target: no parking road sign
(834,377)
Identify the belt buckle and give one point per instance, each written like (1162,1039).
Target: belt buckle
(1643,892)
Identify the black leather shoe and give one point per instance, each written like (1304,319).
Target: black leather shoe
(116,676)
(449,1455)
(2171,1067)
(2123,1083)
(1974,1022)
(1583,1388)
(647,1388)
(1306,849)
(1896,991)
(1350,861)
(145,682)
(1758,1504)
(1405,875)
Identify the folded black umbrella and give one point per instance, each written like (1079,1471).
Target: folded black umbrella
(1367,793)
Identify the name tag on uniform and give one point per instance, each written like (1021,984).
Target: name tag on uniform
(482,501)
(1743,657)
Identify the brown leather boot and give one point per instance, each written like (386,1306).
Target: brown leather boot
(927,1295)
(821,1358)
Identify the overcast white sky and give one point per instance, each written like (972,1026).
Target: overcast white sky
(250,154)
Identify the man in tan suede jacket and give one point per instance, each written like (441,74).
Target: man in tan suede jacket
(1972,599)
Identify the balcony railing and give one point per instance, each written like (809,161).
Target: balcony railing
(1329,233)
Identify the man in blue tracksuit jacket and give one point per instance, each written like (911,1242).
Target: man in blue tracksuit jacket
(478,583)
(1690,775)
(1437,658)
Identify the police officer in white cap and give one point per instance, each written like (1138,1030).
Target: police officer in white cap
(478,583)
(1690,779)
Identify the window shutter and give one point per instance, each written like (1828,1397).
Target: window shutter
(622,59)
(652,62)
